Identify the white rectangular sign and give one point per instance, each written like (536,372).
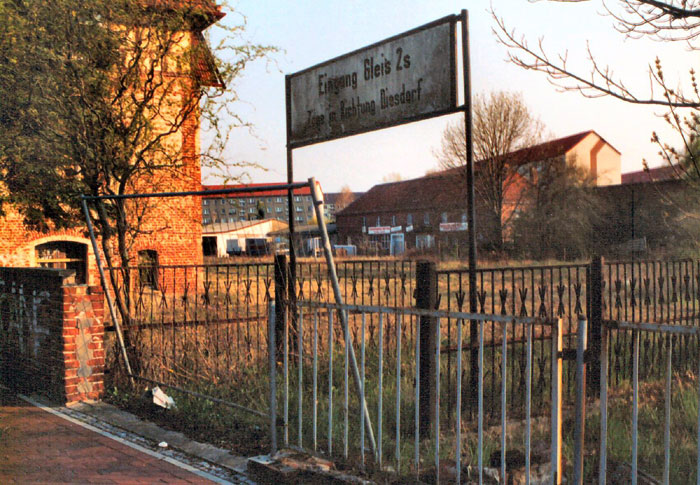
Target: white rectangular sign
(379,230)
(453,226)
(405,78)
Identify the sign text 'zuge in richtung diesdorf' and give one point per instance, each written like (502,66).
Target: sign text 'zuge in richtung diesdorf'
(405,78)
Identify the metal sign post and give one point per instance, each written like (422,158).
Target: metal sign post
(290,301)
(471,219)
(409,77)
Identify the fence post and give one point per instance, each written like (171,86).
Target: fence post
(281,287)
(580,422)
(595,321)
(426,298)
(272,351)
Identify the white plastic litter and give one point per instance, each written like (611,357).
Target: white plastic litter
(162,399)
(163,444)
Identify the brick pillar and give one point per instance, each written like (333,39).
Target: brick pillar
(51,335)
(83,343)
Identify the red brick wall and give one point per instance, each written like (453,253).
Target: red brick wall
(171,227)
(51,335)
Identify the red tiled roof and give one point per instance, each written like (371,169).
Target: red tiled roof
(203,63)
(204,13)
(266,193)
(551,149)
(442,190)
(657,174)
(542,151)
(548,149)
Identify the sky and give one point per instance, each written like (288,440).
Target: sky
(308,32)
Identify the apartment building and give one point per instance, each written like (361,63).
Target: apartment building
(268,204)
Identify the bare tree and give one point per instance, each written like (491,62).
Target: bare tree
(392,177)
(97,98)
(675,21)
(345,198)
(559,213)
(502,124)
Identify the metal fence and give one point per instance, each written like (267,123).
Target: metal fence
(317,406)
(380,420)
(199,328)
(230,300)
(196,327)
(363,282)
(545,292)
(644,446)
(666,292)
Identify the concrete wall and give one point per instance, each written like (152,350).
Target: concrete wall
(51,335)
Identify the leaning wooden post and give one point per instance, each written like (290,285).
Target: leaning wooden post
(557,364)
(426,298)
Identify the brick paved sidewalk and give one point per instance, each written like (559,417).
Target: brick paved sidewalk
(39,447)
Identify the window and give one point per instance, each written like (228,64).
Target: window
(206,221)
(205,212)
(232,211)
(206,202)
(209,246)
(379,221)
(148,268)
(426,218)
(64,255)
(393,220)
(297,199)
(364,221)
(444,217)
(278,200)
(299,209)
(278,209)
(251,210)
(424,241)
(232,201)
(251,200)
(409,219)
(299,219)
(464,217)
(242,202)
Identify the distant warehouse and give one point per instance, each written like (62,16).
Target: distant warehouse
(431,211)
